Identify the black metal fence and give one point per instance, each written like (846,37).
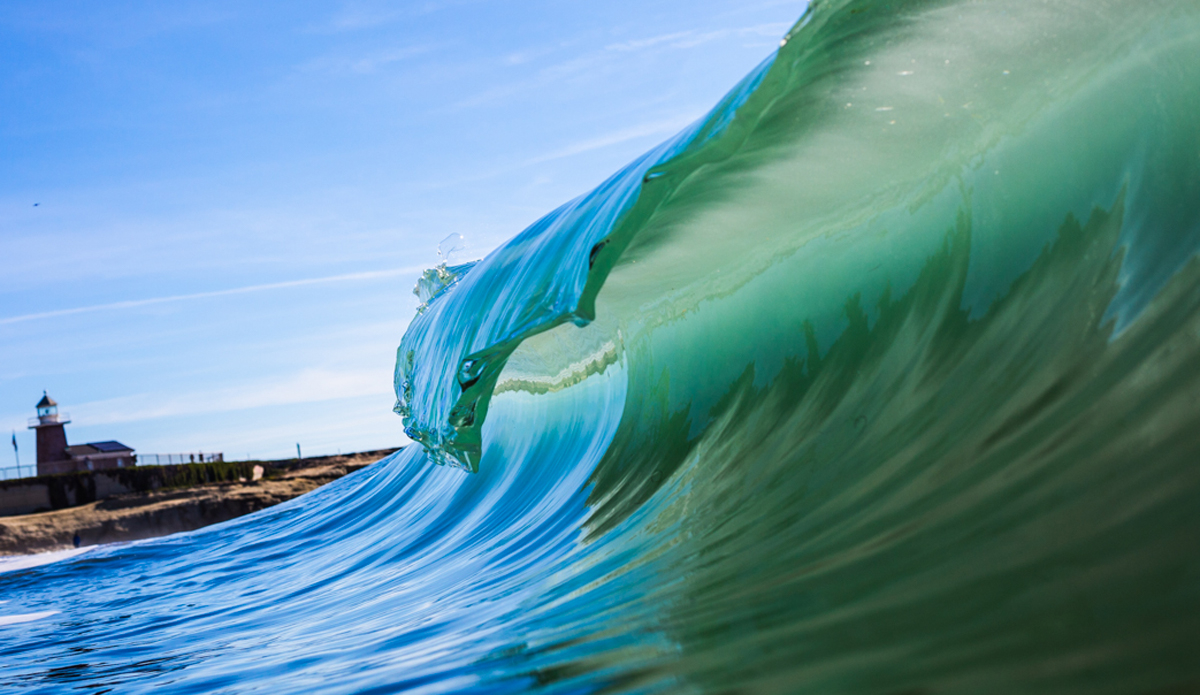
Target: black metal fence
(172,459)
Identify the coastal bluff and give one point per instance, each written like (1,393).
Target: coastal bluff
(48,512)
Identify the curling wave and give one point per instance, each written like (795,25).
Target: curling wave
(880,378)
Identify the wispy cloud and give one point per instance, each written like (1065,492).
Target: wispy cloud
(638,44)
(306,386)
(365,14)
(690,39)
(357,16)
(663,127)
(364,64)
(134,303)
(355,420)
(594,64)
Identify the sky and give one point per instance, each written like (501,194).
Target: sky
(212,214)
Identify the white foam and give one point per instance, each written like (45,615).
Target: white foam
(20,562)
(25,618)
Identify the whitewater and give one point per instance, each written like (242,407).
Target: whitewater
(882,377)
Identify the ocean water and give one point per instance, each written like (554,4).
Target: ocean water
(884,377)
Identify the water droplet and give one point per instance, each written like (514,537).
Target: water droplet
(451,248)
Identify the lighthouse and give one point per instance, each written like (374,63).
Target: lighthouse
(52,456)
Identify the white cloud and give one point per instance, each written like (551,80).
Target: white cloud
(365,14)
(364,64)
(663,127)
(690,39)
(356,16)
(134,303)
(306,386)
(646,43)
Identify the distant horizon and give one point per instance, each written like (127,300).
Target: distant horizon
(215,214)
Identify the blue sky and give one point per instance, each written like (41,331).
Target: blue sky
(234,200)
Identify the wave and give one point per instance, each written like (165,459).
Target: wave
(880,378)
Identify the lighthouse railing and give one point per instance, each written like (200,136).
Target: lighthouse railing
(53,419)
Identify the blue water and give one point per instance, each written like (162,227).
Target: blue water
(880,378)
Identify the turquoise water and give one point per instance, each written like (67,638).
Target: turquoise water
(884,377)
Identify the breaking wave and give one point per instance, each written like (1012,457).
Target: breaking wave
(884,377)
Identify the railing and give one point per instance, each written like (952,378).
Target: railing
(57,419)
(169,459)
(15,472)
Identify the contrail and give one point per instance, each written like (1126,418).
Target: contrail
(129,304)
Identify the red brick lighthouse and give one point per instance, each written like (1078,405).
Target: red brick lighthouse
(51,437)
(52,456)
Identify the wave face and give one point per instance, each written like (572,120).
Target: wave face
(882,378)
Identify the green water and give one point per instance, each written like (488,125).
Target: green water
(913,351)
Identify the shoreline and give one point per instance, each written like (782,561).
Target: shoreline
(151,514)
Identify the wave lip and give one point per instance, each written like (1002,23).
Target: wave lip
(542,278)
